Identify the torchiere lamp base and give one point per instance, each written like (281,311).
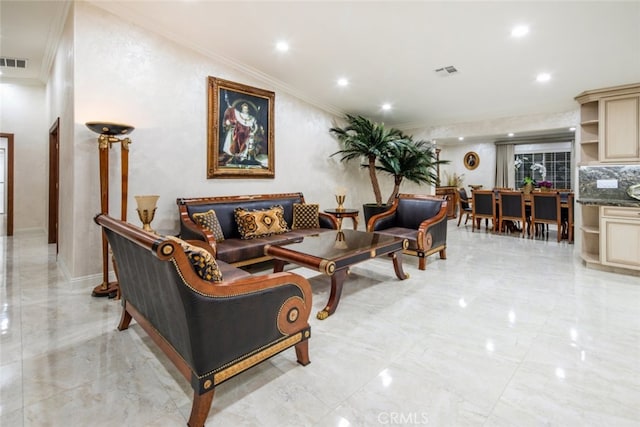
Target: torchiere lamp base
(111,290)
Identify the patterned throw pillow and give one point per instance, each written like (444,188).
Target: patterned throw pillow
(260,223)
(305,216)
(202,261)
(209,220)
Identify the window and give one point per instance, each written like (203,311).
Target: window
(557,166)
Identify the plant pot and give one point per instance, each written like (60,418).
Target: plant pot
(527,188)
(371,209)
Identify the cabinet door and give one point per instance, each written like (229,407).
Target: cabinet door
(620,128)
(620,243)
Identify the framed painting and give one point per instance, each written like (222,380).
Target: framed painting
(240,131)
(471,160)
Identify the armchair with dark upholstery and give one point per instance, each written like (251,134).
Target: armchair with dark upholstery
(211,330)
(420,219)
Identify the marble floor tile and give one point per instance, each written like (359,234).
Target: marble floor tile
(505,332)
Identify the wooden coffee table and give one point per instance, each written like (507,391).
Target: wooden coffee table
(333,252)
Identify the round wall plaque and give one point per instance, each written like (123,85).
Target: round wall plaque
(471,160)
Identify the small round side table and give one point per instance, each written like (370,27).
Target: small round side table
(338,214)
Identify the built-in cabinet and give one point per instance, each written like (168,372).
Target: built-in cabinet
(609,134)
(620,129)
(620,237)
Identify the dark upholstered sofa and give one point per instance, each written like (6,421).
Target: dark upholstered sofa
(422,219)
(211,330)
(234,249)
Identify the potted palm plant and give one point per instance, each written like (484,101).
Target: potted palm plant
(363,139)
(412,160)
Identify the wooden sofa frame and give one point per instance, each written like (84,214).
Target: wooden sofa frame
(233,249)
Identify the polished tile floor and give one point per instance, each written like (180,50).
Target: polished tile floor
(505,332)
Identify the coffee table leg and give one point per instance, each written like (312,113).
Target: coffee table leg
(278,265)
(337,280)
(397,265)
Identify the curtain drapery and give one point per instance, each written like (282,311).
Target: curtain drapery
(504,166)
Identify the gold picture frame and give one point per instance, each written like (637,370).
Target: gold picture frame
(240,136)
(471,160)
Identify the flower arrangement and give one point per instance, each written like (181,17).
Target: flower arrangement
(545,184)
(528,180)
(454,180)
(540,168)
(519,161)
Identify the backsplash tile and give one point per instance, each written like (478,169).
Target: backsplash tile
(626,175)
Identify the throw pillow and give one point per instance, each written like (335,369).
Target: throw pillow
(201,260)
(260,222)
(305,216)
(209,220)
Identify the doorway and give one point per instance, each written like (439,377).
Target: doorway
(54,181)
(6,176)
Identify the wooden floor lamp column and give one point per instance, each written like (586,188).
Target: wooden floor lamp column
(108,136)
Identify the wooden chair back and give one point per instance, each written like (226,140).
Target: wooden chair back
(545,209)
(512,208)
(483,205)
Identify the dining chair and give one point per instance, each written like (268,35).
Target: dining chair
(483,205)
(464,206)
(545,209)
(512,209)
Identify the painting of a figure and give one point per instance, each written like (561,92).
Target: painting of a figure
(240,131)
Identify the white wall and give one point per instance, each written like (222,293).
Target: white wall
(59,102)
(22,113)
(483,175)
(126,74)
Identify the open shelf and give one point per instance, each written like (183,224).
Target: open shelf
(589,112)
(590,229)
(589,153)
(590,247)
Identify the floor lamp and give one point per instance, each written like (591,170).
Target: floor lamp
(109,133)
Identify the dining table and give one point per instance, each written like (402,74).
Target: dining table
(564,207)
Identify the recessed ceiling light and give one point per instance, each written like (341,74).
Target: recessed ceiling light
(519,31)
(543,77)
(386,107)
(343,82)
(461,138)
(572,129)
(282,46)
(510,134)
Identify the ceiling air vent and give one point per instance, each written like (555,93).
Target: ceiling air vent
(13,62)
(446,71)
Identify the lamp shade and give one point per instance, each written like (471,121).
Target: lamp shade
(146,203)
(111,129)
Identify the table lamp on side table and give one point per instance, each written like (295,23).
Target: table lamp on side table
(146,210)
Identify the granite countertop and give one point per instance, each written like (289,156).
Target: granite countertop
(628,203)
